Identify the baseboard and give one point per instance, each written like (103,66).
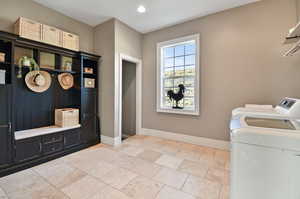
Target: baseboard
(111,141)
(219,144)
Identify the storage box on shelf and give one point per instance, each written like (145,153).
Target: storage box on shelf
(40,32)
(89,83)
(2,57)
(47,60)
(66,117)
(51,35)
(28,29)
(88,70)
(2,76)
(70,41)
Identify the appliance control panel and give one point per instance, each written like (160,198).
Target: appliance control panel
(287,103)
(289,107)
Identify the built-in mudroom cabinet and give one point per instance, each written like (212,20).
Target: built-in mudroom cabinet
(28,135)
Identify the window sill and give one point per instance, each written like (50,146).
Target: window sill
(178,111)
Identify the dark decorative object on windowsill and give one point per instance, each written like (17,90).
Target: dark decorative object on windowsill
(177,96)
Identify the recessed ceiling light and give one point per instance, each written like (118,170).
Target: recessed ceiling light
(141,9)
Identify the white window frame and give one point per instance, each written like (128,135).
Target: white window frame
(159,102)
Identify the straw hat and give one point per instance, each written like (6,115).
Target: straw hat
(38,81)
(66,80)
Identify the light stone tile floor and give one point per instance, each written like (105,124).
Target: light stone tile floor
(143,167)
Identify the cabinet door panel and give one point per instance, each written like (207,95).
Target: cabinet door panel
(28,149)
(5,132)
(259,172)
(89,128)
(52,148)
(72,138)
(89,102)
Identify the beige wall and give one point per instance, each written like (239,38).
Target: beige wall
(129,98)
(241,63)
(104,37)
(128,41)
(113,38)
(11,10)
(298,10)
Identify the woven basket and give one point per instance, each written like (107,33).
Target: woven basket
(51,35)
(70,41)
(66,117)
(28,29)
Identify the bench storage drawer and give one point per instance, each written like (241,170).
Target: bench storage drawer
(72,138)
(28,149)
(52,148)
(52,138)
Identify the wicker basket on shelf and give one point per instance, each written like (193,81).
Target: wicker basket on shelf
(66,117)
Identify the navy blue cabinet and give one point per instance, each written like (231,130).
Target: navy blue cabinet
(5,126)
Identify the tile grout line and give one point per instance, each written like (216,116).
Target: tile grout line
(159,191)
(5,192)
(57,189)
(185,181)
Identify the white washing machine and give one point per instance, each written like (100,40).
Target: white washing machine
(288,107)
(265,158)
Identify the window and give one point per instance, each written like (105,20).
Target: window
(178,63)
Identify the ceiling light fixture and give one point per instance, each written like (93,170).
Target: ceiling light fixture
(141,9)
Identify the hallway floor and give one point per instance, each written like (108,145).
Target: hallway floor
(143,167)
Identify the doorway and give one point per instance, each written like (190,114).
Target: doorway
(119,96)
(128,99)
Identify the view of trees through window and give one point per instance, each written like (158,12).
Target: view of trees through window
(178,67)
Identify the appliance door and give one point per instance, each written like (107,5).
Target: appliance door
(264,173)
(294,175)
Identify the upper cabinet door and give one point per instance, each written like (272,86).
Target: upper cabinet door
(89,102)
(5,126)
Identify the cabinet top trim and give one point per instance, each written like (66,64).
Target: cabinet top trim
(36,44)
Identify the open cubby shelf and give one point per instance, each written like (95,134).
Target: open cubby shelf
(30,136)
(51,70)
(5,63)
(90,74)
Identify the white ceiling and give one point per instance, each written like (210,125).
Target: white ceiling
(160,13)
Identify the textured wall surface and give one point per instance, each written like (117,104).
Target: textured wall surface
(241,62)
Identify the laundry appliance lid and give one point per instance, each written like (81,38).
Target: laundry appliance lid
(282,137)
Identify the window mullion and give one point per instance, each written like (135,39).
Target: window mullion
(184,54)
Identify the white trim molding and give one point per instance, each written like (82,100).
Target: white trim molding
(159,85)
(201,141)
(118,93)
(111,141)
